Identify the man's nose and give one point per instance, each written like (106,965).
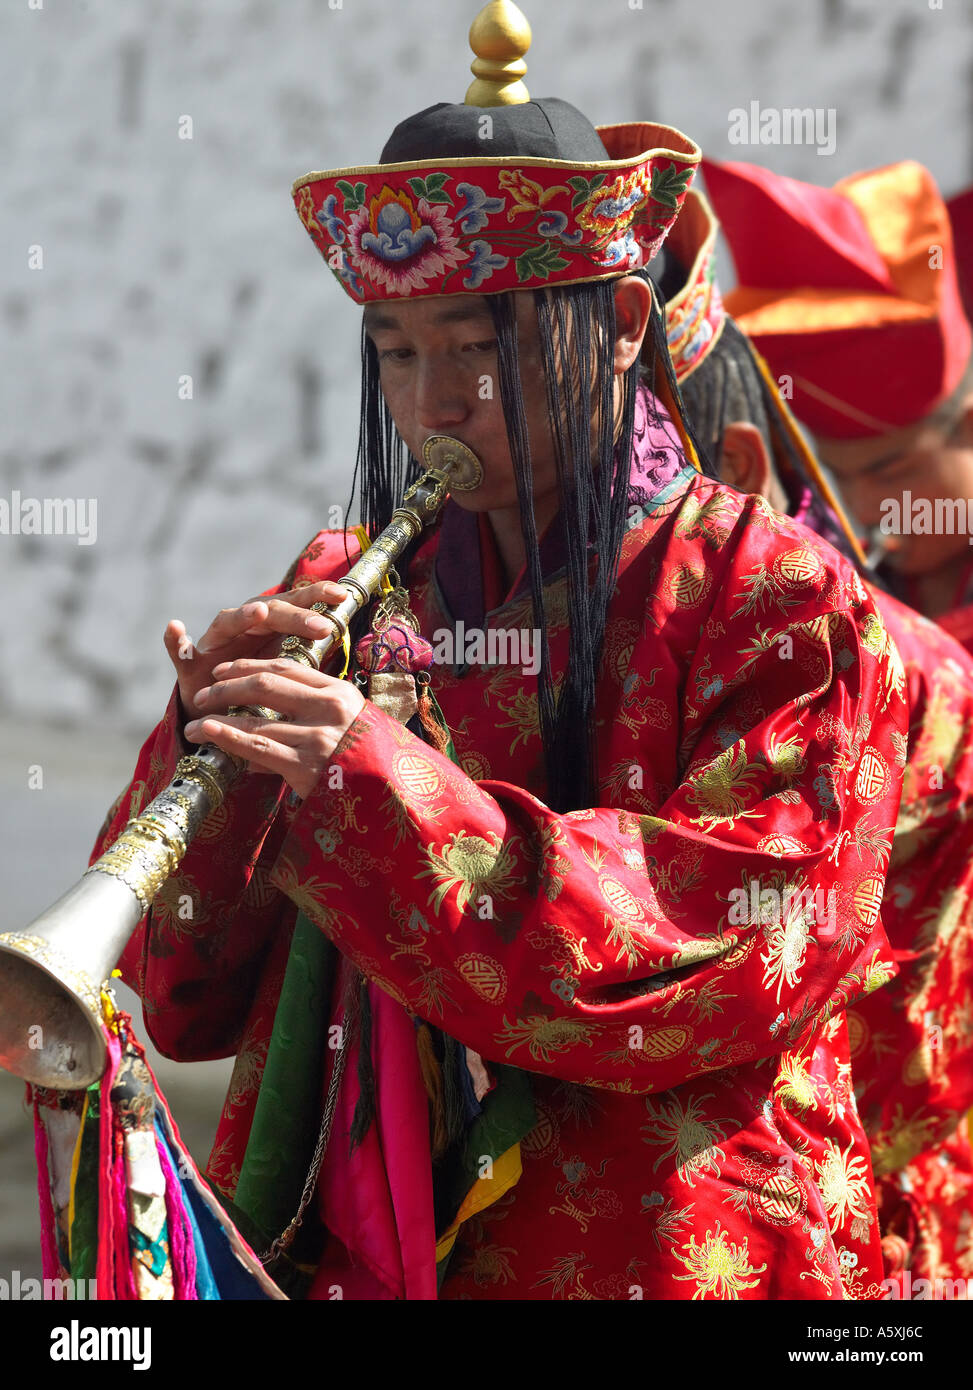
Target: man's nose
(442,397)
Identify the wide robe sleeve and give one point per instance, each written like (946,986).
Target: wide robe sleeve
(623,950)
(196,958)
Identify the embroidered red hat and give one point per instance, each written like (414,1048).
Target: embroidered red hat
(961,217)
(849,292)
(694,313)
(554,202)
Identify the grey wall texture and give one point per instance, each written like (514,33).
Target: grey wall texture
(165,256)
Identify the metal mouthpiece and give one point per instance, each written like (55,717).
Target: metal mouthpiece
(450,456)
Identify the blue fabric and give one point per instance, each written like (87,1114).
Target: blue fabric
(219,1274)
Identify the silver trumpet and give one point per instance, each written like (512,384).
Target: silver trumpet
(52,973)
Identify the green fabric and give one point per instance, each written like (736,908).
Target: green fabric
(287,1116)
(84,1228)
(508,1115)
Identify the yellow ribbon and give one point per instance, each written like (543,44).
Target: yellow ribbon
(484,1192)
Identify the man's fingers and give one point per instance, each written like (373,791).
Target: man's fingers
(231,623)
(277,666)
(325,591)
(285,691)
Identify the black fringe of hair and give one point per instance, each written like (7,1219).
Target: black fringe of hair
(576,328)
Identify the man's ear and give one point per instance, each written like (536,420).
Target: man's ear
(744,460)
(633,306)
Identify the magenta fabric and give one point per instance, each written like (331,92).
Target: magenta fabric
(378,1204)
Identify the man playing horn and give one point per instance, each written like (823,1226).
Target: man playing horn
(567,1047)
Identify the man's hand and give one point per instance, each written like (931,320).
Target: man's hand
(317,710)
(255,629)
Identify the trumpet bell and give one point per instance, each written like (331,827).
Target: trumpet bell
(51,975)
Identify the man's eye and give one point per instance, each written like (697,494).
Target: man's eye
(394,354)
(488,345)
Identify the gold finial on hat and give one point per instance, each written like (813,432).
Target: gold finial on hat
(499,36)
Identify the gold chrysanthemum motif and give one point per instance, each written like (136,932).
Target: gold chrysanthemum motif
(786,757)
(719,1266)
(787,943)
(689,1138)
(523,715)
(842,1180)
(722,788)
(544,1037)
(872,634)
(470,864)
(794,1087)
(247,1071)
(877,973)
(489,1264)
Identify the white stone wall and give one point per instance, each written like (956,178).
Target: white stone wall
(165,256)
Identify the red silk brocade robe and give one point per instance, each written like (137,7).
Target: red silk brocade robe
(697,1135)
(912,1043)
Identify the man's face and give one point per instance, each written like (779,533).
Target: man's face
(439,375)
(930,460)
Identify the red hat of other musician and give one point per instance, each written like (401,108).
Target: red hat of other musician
(961,216)
(849,292)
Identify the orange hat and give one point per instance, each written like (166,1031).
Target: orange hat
(844,292)
(961,216)
(695,319)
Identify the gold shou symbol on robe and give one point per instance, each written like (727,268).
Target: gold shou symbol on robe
(782,1199)
(918,1065)
(484,976)
(800,566)
(475,766)
(620,899)
(688,586)
(542,1136)
(667,1042)
(780,845)
(867,899)
(858,1032)
(418,775)
(873,777)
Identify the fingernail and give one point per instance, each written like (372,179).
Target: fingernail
(203,694)
(317,624)
(192,728)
